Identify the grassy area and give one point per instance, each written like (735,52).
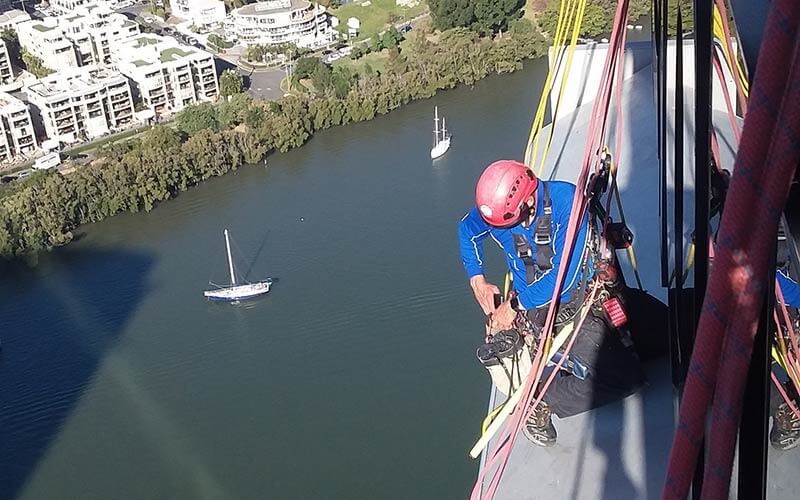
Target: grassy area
(376,15)
(376,60)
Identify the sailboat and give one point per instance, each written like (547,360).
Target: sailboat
(440,143)
(235,291)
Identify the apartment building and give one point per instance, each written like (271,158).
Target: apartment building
(44,39)
(11,18)
(268,22)
(200,12)
(81,103)
(67,6)
(16,128)
(81,38)
(166,75)
(6,73)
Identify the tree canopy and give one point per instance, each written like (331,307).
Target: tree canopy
(482,16)
(230,83)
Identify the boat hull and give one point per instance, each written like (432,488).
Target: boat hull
(239,292)
(440,149)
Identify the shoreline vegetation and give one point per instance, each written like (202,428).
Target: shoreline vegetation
(208,140)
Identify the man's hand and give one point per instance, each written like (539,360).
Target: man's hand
(503,317)
(484,293)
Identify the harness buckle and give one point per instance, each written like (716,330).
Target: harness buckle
(542,238)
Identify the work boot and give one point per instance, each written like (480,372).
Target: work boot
(539,428)
(785,433)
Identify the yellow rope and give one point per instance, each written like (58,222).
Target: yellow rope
(732,60)
(570,20)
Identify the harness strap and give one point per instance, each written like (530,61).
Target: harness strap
(542,234)
(542,238)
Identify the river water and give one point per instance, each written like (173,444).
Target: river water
(354,378)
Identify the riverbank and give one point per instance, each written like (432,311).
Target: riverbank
(210,140)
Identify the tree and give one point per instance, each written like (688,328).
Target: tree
(493,15)
(322,78)
(356,53)
(230,83)
(391,38)
(34,65)
(192,119)
(233,111)
(452,13)
(305,67)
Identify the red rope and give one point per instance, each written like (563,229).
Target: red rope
(765,164)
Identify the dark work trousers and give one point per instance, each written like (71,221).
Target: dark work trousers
(614,371)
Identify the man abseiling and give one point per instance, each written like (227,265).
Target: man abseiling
(528,218)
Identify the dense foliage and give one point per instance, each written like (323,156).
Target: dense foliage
(34,65)
(218,42)
(483,16)
(211,139)
(598,17)
(230,82)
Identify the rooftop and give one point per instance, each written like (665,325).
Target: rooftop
(10,103)
(145,50)
(74,80)
(43,28)
(271,7)
(13,16)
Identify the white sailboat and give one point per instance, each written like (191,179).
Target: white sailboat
(236,292)
(441,143)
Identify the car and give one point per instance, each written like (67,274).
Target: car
(406,28)
(168,29)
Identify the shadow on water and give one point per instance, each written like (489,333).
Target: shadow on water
(56,332)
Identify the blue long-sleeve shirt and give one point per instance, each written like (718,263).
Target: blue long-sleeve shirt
(790,290)
(473,230)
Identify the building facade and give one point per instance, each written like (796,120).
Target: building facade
(67,6)
(16,128)
(81,103)
(281,21)
(167,76)
(200,12)
(81,38)
(6,73)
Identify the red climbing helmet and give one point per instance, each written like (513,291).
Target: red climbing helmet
(502,190)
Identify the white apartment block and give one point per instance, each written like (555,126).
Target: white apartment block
(81,38)
(81,103)
(16,128)
(166,75)
(67,6)
(11,18)
(280,21)
(6,73)
(199,12)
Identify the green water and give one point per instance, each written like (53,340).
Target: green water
(354,378)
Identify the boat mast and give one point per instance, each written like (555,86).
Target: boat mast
(444,130)
(230,261)
(436,126)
